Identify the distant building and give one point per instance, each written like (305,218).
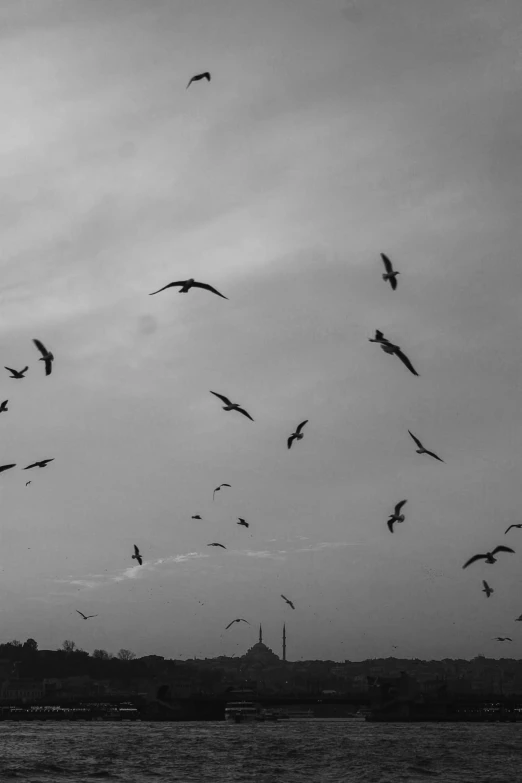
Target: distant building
(260,654)
(24,690)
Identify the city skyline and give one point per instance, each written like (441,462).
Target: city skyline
(329,133)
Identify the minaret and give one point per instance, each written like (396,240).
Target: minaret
(260,634)
(284,642)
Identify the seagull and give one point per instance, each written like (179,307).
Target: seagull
(196,516)
(87,616)
(3,406)
(6,467)
(488,557)
(297,435)
(46,356)
(487,589)
(422,450)
(392,349)
(239,620)
(509,528)
(41,464)
(390,274)
(137,556)
(218,488)
(197,77)
(221,545)
(186,285)
(242,522)
(232,406)
(16,373)
(519,619)
(396,516)
(287,601)
(27,483)
(502,639)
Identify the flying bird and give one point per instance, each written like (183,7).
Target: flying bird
(3,406)
(27,483)
(6,467)
(390,273)
(196,516)
(197,78)
(519,619)
(242,522)
(487,589)
(232,406)
(396,516)
(509,528)
(221,545)
(17,373)
(502,639)
(297,435)
(46,356)
(137,556)
(40,464)
(239,620)
(186,285)
(489,556)
(86,616)
(422,450)
(392,349)
(218,488)
(287,601)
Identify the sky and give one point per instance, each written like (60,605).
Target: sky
(330,132)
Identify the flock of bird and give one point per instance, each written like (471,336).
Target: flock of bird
(390,276)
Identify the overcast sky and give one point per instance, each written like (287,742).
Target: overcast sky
(331,131)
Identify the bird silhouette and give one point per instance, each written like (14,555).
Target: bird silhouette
(242,522)
(196,516)
(509,528)
(86,616)
(422,450)
(197,77)
(287,601)
(488,556)
(502,639)
(392,349)
(487,589)
(7,467)
(297,435)
(137,556)
(396,516)
(232,406)
(214,544)
(519,619)
(3,406)
(239,620)
(17,373)
(40,464)
(390,274)
(46,356)
(186,285)
(217,489)
(27,483)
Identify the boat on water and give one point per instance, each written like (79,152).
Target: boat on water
(297,715)
(241,712)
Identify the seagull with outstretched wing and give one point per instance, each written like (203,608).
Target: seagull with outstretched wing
(242,522)
(487,589)
(17,373)
(215,544)
(297,435)
(46,356)
(502,639)
(40,464)
(488,556)
(422,450)
(86,616)
(287,601)
(509,528)
(217,489)
(137,556)
(390,273)
(196,516)
(7,467)
(239,620)
(232,406)
(3,406)
(393,350)
(396,516)
(186,285)
(198,77)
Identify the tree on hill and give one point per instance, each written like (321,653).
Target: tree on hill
(68,646)
(126,655)
(102,655)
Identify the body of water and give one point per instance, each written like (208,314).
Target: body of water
(348,751)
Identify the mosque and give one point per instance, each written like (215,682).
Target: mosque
(261,655)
